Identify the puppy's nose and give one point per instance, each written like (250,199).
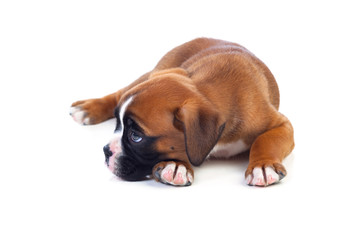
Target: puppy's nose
(107,153)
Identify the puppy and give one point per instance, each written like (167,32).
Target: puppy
(204,98)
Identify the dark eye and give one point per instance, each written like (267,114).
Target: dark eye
(135,137)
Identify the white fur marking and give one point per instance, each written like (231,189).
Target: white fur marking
(78,115)
(260,178)
(271,176)
(86,121)
(122,113)
(72,110)
(115,142)
(229,149)
(167,173)
(182,176)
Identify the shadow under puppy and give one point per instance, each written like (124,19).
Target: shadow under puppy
(204,98)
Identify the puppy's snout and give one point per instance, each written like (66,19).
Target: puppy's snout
(108,153)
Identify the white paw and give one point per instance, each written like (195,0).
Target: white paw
(177,176)
(79,115)
(262,178)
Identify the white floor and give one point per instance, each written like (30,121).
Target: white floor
(53,182)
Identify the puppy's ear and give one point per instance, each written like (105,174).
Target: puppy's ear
(202,126)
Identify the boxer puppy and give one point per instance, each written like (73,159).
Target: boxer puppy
(204,98)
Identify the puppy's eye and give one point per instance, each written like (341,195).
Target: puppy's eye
(135,137)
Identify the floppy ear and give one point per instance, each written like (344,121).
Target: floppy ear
(202,127)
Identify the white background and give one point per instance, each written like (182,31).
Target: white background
(53,182)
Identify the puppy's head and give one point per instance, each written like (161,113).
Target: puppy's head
(164,118)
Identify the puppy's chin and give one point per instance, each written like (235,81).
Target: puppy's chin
(125,169)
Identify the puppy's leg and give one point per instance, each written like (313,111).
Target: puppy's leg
(267,153)
(92,111)
(97,110)
(174,173)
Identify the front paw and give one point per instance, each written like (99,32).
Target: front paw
(265,175)
(173,173)
(91,111)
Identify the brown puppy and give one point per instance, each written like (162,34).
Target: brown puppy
(204,98)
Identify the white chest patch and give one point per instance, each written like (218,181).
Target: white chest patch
(229,149)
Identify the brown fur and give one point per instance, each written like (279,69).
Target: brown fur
(202,93)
